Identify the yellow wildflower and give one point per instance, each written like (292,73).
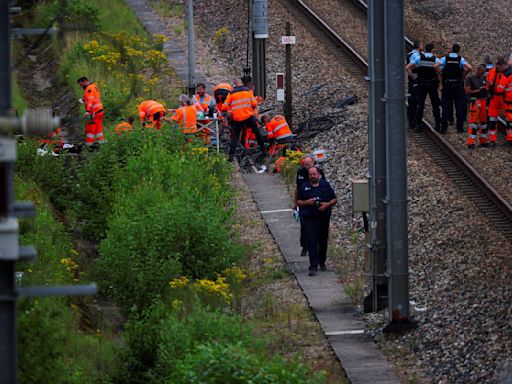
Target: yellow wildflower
(179,282)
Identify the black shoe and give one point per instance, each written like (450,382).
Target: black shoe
(304,252)
(484,145)
(312,272)
(471,146)
(443,132)
(451,122)
(438,127)
(492,144)
(323,267)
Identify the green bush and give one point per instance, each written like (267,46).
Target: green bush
(50,174)
(77,14)
(220,363)
(138,258)
(51,349)
(158,339)
(169,219)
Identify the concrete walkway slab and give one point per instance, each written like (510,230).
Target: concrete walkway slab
(358,354)
(175,52)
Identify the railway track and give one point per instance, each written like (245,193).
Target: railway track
(468,180)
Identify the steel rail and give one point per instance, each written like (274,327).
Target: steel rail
(472,178)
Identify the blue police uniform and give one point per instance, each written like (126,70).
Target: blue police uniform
(427,84)
(412,91)
(453,90)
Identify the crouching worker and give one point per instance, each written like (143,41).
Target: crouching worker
(151,114)
(124,126)
(315,200)
(185,116)
(278,132)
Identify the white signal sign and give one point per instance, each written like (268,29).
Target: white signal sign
(288,40)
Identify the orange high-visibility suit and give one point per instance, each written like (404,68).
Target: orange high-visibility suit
(278,129)
(250,139)
(53,140)
(151,112)
(496,84)
(242,105)
(477,121)
(220,92)
(186,118)
(94,107)
(203,105)
(508,103)
(123,127)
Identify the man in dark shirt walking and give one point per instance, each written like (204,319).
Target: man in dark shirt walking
(301,178)
(315,199)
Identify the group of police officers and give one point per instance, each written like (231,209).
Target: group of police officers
(488,93)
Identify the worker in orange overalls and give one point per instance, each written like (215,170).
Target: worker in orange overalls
(250,139)
(476,90)
(220,92)
(497,82)
(278,132)
(125,126)
(185,116)
(507,73)
(93,112)
(242,106)
(151,113)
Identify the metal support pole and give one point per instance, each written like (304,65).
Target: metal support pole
(191,50)
(259,67)
(396,166)
(259,35)
(377,299)
(7,281)
(288,79)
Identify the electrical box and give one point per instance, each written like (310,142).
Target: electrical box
(280,86)
(360,196)
(9,243)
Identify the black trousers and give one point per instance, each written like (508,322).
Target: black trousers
(303,234)
(430,88)
(317,234)
(236,129)
(412,102)
(453,93)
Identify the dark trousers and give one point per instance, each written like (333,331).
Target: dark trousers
(317,233)
(303,234)
(453,93)
(428,87)
(236,129)
(412,102)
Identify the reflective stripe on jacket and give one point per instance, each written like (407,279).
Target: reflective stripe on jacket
(241,103)
(186,118)
(148,108)
(92,98)
(202,106)
(278,128)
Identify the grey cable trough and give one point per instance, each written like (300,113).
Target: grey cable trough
(176,54)
(359,356)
